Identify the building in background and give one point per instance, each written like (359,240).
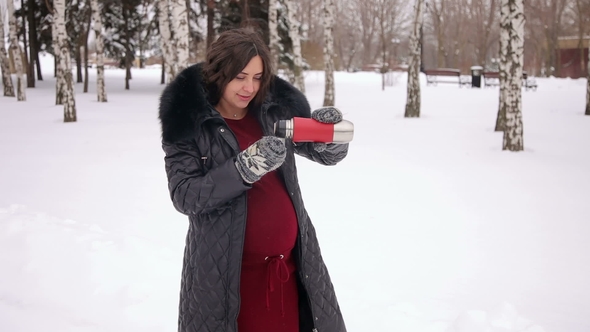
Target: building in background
(573,56)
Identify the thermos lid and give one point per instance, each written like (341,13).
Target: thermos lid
(343,131)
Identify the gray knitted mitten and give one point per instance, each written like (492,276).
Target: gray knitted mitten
(328,114)
(265,155)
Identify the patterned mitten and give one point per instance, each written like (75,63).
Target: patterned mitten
(263,156)
(328,114)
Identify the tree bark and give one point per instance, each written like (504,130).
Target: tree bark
(64,69)
(86,34)
(100,84)
(32,43)
(36,40)
(505,35)
(60,83)
(166,43)
(4,60)
(513,14)
(273,30)
(127,59)
(181,35)
(588,84)
(38,64)
(163,76)
(25,54)
(296,41)
(78,55)
(581,29)
(329,94)
(21,94)
(413,99)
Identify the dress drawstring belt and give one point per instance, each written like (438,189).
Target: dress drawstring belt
(277,265)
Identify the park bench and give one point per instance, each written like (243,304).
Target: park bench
(433,76)
(492,78)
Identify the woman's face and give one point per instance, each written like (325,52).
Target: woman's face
(243,88)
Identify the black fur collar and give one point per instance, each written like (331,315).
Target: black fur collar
(184,102)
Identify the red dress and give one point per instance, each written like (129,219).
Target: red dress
(268,284)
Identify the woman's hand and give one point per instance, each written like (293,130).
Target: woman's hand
(328,114)
(265,155)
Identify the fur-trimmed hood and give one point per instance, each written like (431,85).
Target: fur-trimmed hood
(183,103)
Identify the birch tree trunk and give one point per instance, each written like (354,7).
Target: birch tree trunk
(329,97)
(33,27)
(181,36)
(32,43)
(127,46)
(60,84)
(15,49)
(273,32)
(166,43)
(299,80)
(588,85)
(4,60)
(413,99)
(85,50)
(64,69)
(101,92)
(505,36)
(513,14)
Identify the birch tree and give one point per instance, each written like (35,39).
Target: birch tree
(413,99)
(97,21)
(64,69)
(503,84)
(166,41)
(60,84)
(512,26)
(4,60)
(15,49)
(329,98)
(299,80)
(273,32)
(181,35)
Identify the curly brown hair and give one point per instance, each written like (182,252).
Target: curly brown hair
(228,56)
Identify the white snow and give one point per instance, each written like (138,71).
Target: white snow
(427,225)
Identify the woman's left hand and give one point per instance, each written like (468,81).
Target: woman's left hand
(327,114)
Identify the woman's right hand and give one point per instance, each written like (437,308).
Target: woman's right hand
(263,156)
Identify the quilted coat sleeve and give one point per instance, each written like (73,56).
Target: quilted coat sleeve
(193,188)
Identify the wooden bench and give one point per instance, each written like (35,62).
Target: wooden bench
(492,78)
(529,82)
(433,75)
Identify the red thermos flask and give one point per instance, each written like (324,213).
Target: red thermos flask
(310,130)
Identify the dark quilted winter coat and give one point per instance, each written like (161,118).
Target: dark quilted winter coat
(205,185)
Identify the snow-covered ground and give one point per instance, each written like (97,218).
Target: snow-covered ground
(426,225)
